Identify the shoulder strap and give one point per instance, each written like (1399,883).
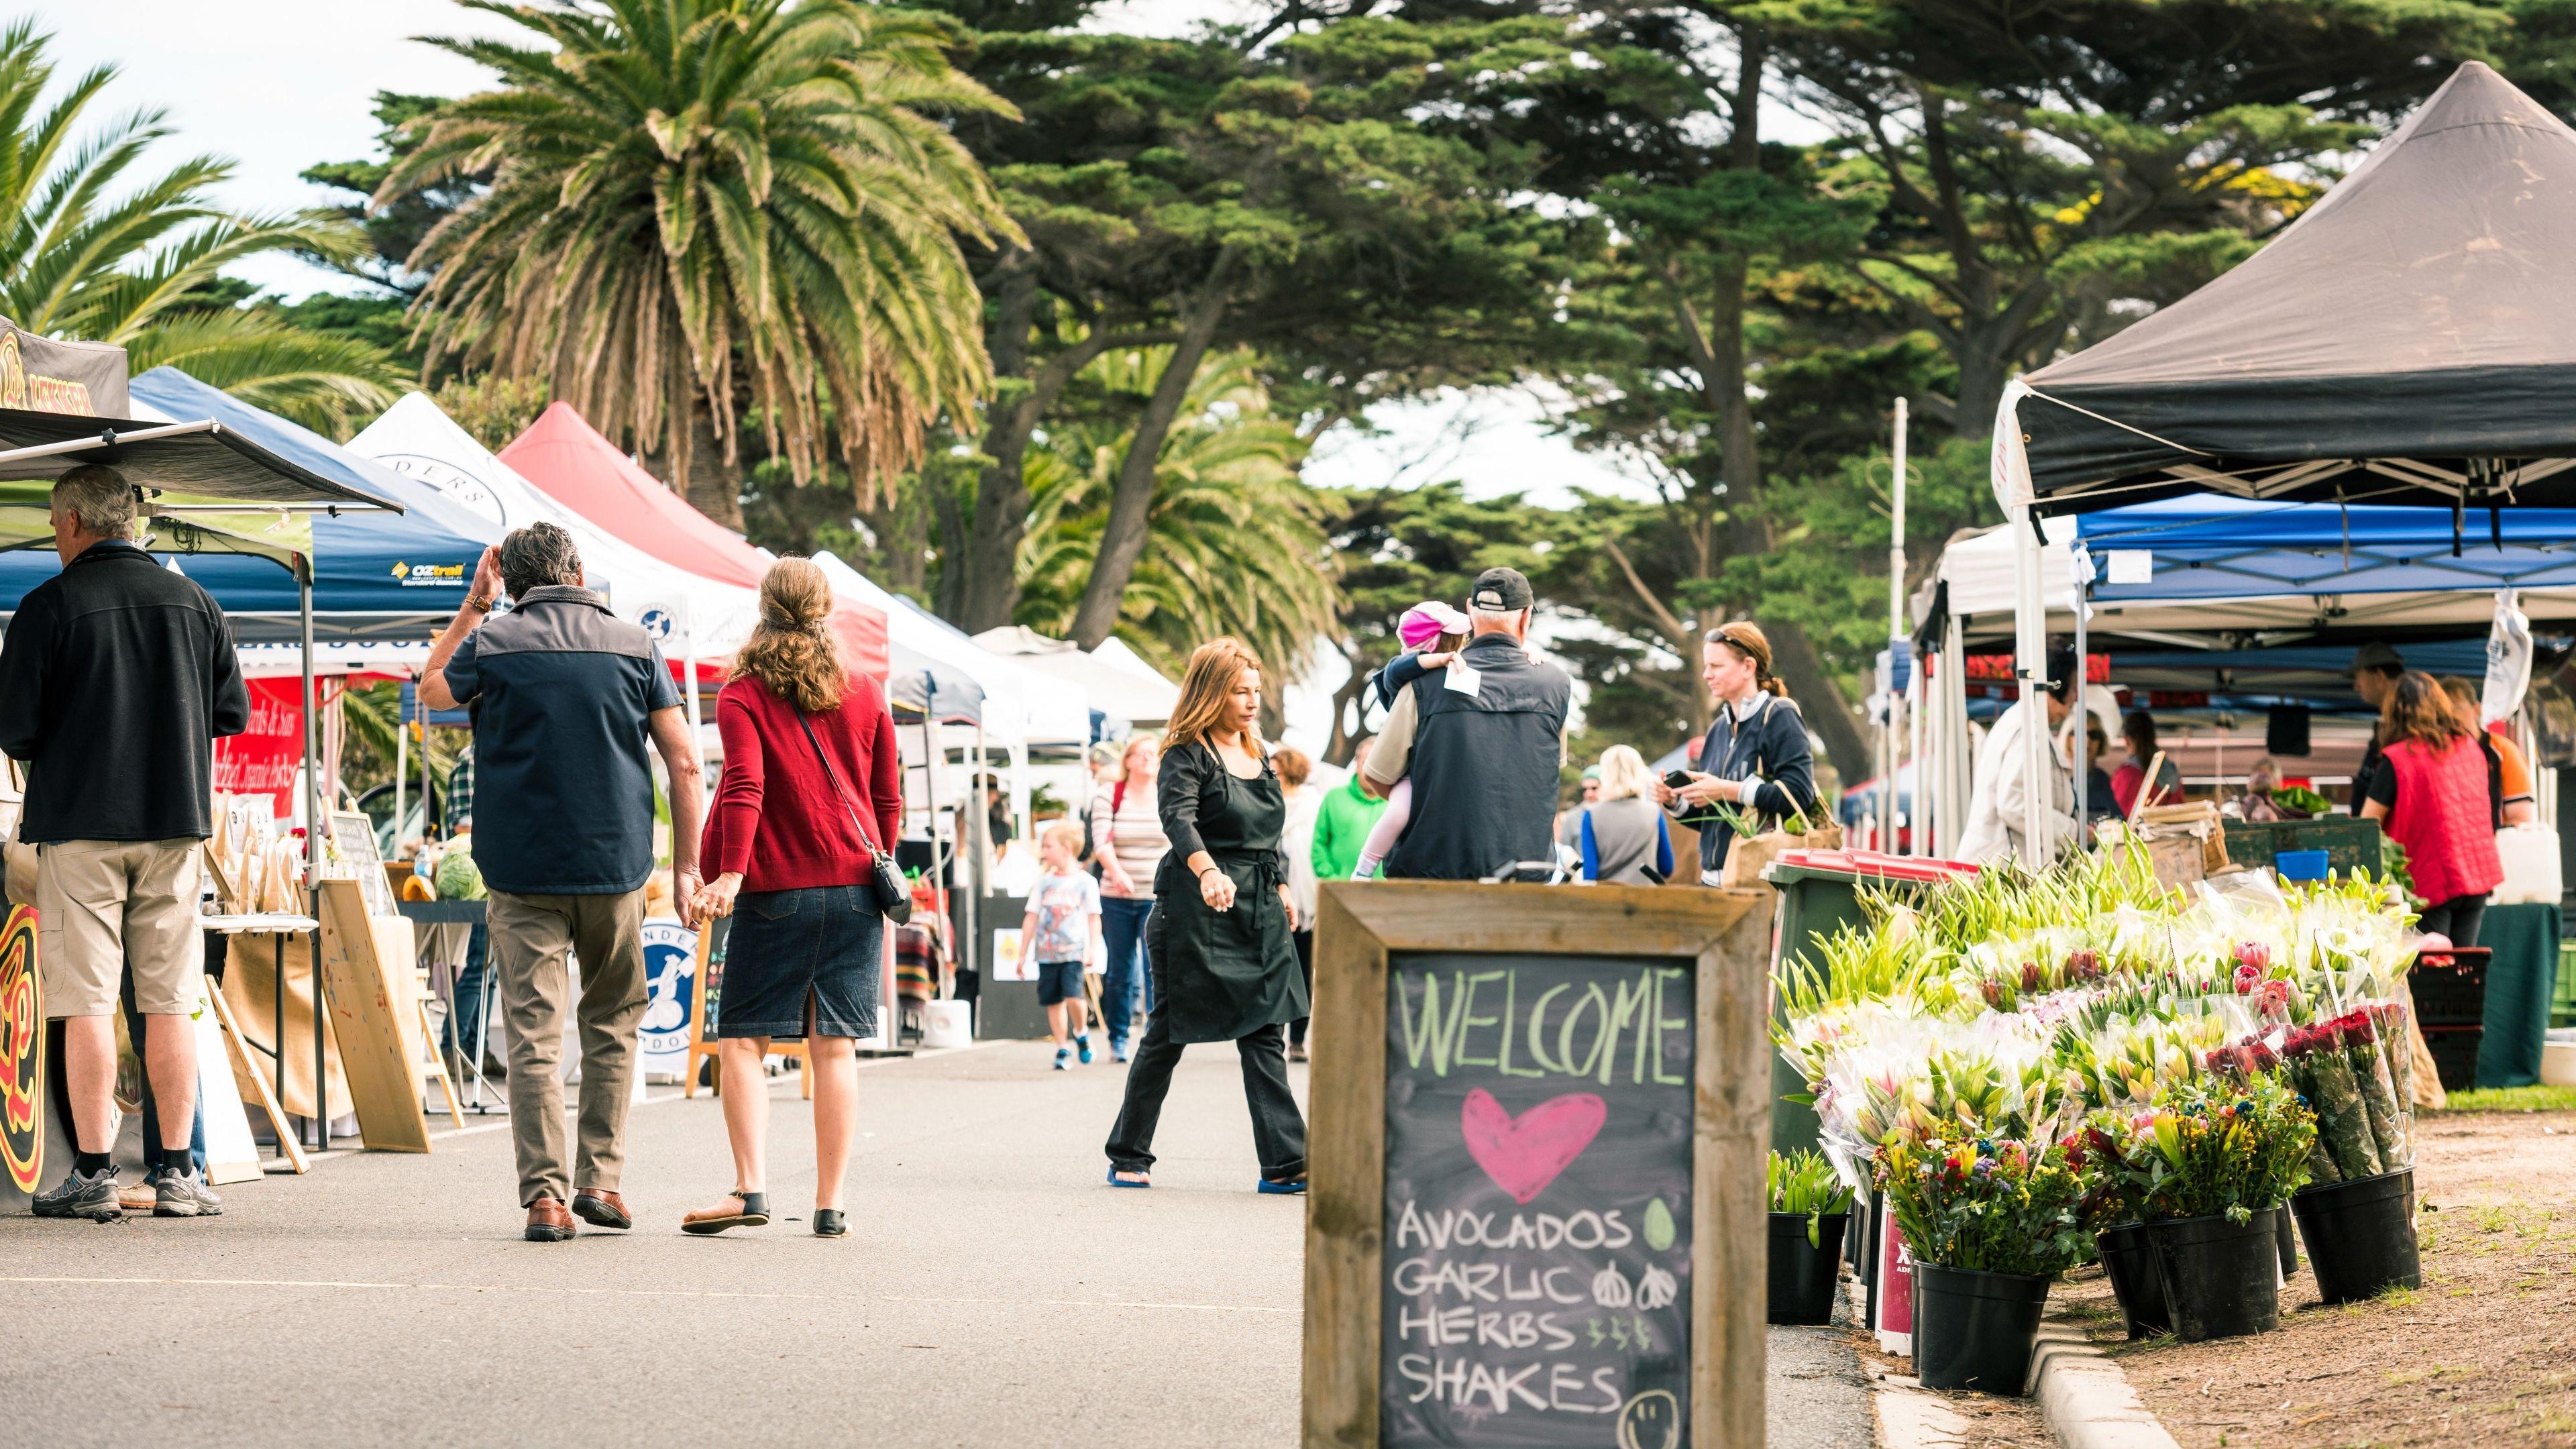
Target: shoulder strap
(835,777)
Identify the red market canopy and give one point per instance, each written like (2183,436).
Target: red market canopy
(577,467)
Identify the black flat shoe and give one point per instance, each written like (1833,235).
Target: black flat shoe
(831,1223)
(705,1222)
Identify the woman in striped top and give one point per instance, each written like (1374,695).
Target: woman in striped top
(1127,838)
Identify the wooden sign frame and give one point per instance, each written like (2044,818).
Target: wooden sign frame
(1724,936)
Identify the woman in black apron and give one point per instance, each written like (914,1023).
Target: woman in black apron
(1217,943)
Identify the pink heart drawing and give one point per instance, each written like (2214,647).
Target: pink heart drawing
(1524,1154)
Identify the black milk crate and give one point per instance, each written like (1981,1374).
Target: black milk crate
(2453,994)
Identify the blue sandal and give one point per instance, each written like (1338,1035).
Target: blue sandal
(1114,1182)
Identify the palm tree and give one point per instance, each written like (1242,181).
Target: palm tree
(1234,539)
(87,253)
(691,195)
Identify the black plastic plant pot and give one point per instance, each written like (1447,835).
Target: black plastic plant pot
(2131,1266)
(2360,1235)
(1976,1330)
(2222,1279)
(1803,1274)
(2286,1238)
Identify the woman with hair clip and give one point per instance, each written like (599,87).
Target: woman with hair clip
(1218,940)
(2435,793)
(812,786)
(1756,761)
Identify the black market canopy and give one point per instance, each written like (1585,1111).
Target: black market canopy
(2410,339)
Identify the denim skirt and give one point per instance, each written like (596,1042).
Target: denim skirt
(824,945)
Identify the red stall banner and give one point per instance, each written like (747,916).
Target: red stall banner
(262,760)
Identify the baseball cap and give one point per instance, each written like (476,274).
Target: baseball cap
(2376,655)
(1427,621)
(1501,591)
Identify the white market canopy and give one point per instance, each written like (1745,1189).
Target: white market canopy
(1114,681)
(1019,707)
(692,617)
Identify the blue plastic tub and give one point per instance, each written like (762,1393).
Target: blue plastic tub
(2300,864)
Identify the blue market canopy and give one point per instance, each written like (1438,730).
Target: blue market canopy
(395,569)
(2406,340)
(2207,547)
(2205,572)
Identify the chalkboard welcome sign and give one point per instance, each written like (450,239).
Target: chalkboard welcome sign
(1538,1256)
(1526,1165)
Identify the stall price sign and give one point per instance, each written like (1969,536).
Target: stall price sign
(1538,1263)
(1536,1164)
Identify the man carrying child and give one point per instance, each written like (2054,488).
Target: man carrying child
(1481,740)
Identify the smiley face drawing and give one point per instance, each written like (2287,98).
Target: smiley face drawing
(1652,1420)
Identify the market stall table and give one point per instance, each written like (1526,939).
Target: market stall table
(282,925)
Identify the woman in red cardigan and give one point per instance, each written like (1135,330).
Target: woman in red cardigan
(811,781)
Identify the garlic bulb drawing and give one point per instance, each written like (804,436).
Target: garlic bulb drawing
(1657,1288)
(1609,1289)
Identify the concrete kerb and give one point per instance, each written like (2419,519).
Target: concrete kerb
(2086,1399)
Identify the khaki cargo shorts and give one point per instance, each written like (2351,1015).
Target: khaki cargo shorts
(103,903)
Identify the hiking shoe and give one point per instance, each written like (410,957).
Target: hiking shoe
(177,1194)
(77,1196)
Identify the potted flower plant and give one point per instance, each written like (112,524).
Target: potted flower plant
(2114,1181)
(2221,1155)
(1989,1222)
(1810,1209)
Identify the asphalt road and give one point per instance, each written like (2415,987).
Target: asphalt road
(993,1291)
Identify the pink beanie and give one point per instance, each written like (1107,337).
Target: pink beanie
(1424,623)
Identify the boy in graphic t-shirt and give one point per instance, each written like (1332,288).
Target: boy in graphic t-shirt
(1062,930)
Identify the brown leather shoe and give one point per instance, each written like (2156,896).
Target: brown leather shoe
(601,1209)
(548,1222)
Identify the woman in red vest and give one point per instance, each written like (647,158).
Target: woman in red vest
(2435,794)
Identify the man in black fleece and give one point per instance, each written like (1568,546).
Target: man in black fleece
(116,678)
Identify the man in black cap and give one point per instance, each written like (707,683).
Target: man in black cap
(2375,667)
(1482,741)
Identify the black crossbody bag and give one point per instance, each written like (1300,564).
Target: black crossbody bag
(894,893)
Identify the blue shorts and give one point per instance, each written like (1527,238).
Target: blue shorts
(1059,981)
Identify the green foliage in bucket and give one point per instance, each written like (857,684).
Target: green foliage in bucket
(1804,1182)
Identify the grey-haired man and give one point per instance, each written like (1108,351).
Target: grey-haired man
(117,677)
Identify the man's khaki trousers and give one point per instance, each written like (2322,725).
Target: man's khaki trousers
(531,936)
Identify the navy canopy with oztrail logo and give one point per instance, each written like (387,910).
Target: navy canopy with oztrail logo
(375,574)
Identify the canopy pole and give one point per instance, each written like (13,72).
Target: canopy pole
(1917,693)
(313,863)
(689,648)
(1890,736)
(1957,741)
(402,763)
(2081,746)
(2030,663)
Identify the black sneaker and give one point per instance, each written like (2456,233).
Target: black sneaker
(178,1194)
(79,1195)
